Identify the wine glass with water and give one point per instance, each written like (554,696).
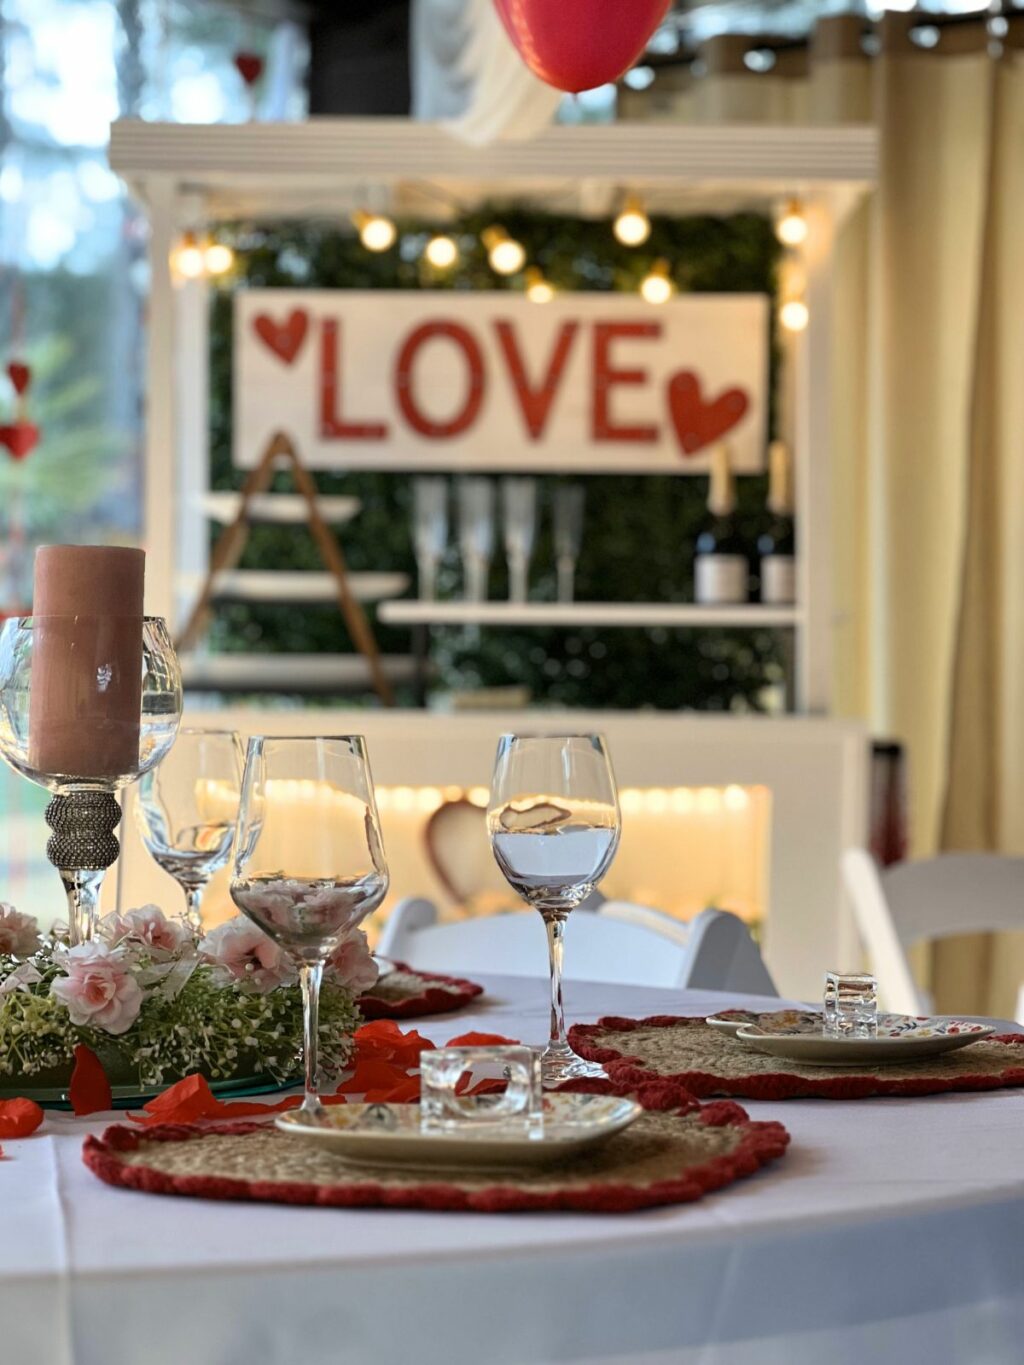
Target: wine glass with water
(554,824)
(309,862)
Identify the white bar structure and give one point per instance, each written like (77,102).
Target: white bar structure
(326,167)
(306,586)
(616,614)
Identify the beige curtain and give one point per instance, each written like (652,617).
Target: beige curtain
(928,420)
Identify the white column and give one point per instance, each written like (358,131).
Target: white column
(161,502)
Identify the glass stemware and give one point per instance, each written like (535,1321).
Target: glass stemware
(430,531)
(309,862)
(519,526)
(476,534)
(554,824)
(187,809)
(569,500)
(87,705)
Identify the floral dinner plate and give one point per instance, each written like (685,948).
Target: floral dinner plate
(901,1038)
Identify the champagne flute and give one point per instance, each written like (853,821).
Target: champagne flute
(309,863)
(187,809)
(554,824)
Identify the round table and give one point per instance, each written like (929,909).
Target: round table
(892,1230)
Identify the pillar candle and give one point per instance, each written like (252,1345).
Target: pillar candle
(86,691)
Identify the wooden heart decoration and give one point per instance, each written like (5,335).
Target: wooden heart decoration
(697,421)
(20,438)
(20,376)
(284,338)
(249,66)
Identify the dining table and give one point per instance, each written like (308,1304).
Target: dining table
(892,1229)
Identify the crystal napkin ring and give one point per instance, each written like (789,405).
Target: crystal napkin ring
(454,1096)
(851,1005)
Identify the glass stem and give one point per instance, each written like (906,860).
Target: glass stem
(310,976)
(555,925)
(193,904)
(82,889)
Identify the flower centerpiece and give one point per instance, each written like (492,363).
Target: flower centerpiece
(155,1003)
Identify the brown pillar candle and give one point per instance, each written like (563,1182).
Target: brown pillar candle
(86,660)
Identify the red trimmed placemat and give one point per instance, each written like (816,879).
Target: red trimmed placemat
(408,994)
(675,1152)
(705,1061)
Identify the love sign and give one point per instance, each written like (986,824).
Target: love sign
(419,380)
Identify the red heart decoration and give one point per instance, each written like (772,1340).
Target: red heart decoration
(283,338)
(577,44)
(249,66)
(697,422)
(20,438)
(20,376)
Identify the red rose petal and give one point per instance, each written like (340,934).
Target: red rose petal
(19,1118)
(89,1091)
(482,1040)
(383,1039)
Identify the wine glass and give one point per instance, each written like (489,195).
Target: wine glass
(309,863)
(187,809)
(554,824)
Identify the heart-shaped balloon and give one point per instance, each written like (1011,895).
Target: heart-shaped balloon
(577,44)
(283,338)
(20,376)
(20,438)
(699,421)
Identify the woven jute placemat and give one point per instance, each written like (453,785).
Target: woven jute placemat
(408,994)
(705,1061)
(671,1154)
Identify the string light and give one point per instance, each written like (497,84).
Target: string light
(632,226)
(790,224)
(217,258)
(794,315)
(505,255)
(441,251)
(188,259)
(376,231)
(656,286)
(538,289)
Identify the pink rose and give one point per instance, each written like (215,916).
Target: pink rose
(351,964)
(242,952)
(19,934)
(148,927)
(98,990)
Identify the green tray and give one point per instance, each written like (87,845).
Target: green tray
(131,1097)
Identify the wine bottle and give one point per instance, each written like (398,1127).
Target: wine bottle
(721,570)
(776,545)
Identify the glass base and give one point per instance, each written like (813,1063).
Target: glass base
(558,1063)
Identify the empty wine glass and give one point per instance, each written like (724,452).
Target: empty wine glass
(187,809)
(569,500)
(476,534)
(554,824)
(309,863)
(519,525)
(430,531)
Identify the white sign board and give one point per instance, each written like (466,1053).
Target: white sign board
(440,379)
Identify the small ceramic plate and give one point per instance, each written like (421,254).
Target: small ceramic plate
(731,1021)
(901,1038)
(390,1134)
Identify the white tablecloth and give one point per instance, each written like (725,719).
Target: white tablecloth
(893,1230)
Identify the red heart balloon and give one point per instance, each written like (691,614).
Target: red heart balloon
(283,338)
(20,438)
(577,44)
(697,422)
(20,376)
(249,66)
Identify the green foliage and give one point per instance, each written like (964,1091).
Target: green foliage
(639,531)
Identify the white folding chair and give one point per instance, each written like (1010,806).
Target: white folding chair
(712,952)
(955,893)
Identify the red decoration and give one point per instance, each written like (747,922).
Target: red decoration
(20,438)
(89,1091)
(19,1118)
(249,66)
(440,995)
(697,422)
(283,338)
(333,425)
(578,44)
(20,376)
(535,402)
(466,416)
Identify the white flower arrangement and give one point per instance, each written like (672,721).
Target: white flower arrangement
(155,1004)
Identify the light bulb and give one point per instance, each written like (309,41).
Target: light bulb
(218,258)
(657,286)
(791,225)
(794,315)
(188,258)
(632,226)
(538,289)
(441,251)
(376,232)
(505,254)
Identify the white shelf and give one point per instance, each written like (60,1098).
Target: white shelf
(278,509)
(637,614)
(309,587)
(288,672)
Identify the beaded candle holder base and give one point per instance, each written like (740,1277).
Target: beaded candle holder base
(82,846)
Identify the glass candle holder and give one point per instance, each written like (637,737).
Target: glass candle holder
(87,705)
